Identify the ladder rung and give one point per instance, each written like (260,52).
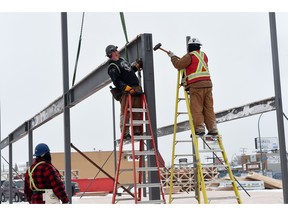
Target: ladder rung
(151,202)
(181,113)
(148,185)
(222,198)
(213,165)
(137,152)
(143,169)
(138,122)
(126,170)
(179,141)
(138,110)
(210,150)
(183,155)
(143,137)
(218,181)
(186,197)
(124,199)
(144,152)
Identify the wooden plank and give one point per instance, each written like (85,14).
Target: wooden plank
(269,183)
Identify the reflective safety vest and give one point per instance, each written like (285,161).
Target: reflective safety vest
(31,178)
(197,70)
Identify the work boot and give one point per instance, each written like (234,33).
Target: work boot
(200,133)
(127,136)
(212,133)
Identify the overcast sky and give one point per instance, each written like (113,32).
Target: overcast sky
(237,44)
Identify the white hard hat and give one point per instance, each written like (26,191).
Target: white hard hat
(194,41)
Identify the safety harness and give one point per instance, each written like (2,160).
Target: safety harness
(32,183)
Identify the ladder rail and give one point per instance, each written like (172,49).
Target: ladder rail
(133,146)
(119,157)
(174,141)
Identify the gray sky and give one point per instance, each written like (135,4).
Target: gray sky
(237,44)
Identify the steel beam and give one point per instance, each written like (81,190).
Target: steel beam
(247,110)
(279,109)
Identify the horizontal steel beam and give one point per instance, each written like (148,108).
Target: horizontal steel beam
(247,110)
(89,85)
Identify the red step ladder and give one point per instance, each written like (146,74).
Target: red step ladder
(137,153)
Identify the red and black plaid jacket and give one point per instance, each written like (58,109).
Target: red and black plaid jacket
(45,176)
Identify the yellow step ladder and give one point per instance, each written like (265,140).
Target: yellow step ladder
(211,145)
(138,155)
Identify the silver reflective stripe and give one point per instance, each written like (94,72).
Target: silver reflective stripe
(201,63)
(31,178)
(198,74)
(116,67)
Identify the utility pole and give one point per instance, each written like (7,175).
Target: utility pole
(243,150)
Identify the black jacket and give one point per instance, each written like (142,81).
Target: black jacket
(122,74)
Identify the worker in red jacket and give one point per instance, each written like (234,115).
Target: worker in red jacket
(197,82)
(42,177)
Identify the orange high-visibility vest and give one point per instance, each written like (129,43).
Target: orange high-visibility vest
(197,70)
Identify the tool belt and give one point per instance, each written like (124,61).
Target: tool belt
(116,93)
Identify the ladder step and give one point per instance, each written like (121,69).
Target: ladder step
(138,110)
(184,155)
(137,152)
(210,150)
(183,141)
(184,197)
(213,165)
(151,202)
(143,169)
(138,122)
(181,113)
(143,137)
(150,185)
(222,198)
(124,199)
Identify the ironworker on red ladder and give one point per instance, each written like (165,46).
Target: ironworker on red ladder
(123,76)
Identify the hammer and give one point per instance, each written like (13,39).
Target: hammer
(158,46)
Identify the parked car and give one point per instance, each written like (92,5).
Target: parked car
(17,190)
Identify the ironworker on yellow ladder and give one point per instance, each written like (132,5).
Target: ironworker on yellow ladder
(197,83)
(214,145)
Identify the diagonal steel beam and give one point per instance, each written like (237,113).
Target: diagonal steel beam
(247,110)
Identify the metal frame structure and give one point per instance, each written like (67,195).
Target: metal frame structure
(140,47)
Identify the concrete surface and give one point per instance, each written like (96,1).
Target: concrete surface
(274,196)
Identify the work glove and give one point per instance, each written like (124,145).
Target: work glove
(129,89)
(170,54)
(137,64)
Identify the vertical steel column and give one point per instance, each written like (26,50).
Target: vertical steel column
(278,102)
(10,170)
(30,146)
(260,146)
(67,137)
(149,88)
(0,149)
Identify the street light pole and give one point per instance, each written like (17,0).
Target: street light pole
(260,144)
